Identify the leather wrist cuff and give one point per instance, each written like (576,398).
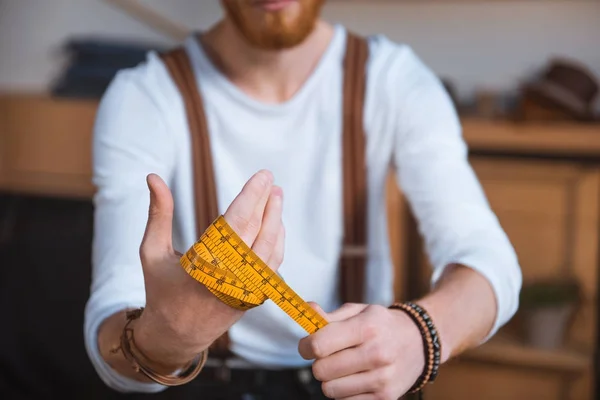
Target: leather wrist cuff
(139,361)
(431,342)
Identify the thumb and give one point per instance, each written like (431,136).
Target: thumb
(158,235)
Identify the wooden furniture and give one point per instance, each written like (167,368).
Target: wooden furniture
(543,182)
(45,145)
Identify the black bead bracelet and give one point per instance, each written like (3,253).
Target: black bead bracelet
(431,343)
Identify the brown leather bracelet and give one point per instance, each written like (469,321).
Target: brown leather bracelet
(136,357)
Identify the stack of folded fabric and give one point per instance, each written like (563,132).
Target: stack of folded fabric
(94,63)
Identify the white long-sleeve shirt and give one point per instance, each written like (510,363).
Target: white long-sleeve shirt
(410,123)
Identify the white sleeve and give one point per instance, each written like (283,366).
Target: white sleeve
(453,214)
(130,141)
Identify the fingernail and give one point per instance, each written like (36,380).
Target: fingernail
(277,192)
(150,183)
(265,177)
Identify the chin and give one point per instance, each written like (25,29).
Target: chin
(273,24)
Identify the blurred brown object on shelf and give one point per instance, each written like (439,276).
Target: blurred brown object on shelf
(494,104)
(548,308)
(565,91)
(486,104)
(491,104)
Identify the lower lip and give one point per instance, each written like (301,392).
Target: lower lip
(274,5)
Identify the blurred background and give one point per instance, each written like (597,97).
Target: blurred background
(523,75)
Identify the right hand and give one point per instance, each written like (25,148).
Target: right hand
(182,318)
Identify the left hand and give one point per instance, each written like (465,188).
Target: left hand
(366,352)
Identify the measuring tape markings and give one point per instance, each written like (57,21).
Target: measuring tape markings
(221,282)
(223,262)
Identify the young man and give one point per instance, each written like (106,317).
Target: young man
(271,78)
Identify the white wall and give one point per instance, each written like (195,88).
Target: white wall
(477,43)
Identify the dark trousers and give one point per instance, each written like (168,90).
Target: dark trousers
(234,384)
(212,384)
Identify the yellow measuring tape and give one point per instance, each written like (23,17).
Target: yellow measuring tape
(222,262)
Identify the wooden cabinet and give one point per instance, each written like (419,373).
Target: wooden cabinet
(543,183)
(45,145)
(549,209)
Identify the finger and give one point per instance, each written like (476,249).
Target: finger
(318,309)
(335,336)
(346,311)
(157,240)
(245,213)
(363,384)
(277,256)
(343,363)
(265,242)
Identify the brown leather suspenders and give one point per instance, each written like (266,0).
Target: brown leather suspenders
(205,191)
(354,251)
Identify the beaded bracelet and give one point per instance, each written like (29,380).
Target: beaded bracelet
(431,343)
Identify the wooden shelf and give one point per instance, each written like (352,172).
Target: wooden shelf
(45,142)
(537,138)
(45,145)
(509,353)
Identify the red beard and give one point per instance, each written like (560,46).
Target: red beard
(273,30)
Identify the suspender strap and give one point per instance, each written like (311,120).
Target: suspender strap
(354,250)
(205,192)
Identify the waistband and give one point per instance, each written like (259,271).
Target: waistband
(239,363)
(257,376)
(236,369)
